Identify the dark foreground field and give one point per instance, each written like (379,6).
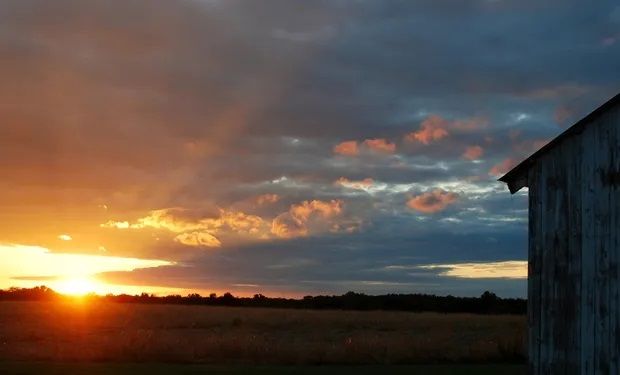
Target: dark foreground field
(221,340)
(28,368)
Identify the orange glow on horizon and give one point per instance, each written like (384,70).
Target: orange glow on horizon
(77,286)
(67,273)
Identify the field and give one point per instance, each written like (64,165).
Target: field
(225,339)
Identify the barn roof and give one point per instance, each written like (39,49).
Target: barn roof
(517,177)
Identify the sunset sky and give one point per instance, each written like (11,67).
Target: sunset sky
(284,147)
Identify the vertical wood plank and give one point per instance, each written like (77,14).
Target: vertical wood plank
(534,270)
(601,234)
(588,256)
(572,296)
(557,247)
(612,167)
(548,312)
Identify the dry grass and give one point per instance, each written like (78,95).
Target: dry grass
(200,334)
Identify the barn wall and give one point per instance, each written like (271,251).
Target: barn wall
(573,284)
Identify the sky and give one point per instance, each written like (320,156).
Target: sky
(284,147)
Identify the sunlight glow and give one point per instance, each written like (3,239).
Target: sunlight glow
(75,274)
(65,237)
(76,286)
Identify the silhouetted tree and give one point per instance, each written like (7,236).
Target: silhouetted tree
(487,303)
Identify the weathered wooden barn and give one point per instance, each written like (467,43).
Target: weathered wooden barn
(574,247)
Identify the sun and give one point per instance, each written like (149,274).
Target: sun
(77,286)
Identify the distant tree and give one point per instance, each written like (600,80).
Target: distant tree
(488,296)
(487,303)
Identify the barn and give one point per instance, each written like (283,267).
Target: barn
(574,248)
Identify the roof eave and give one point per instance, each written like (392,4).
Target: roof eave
(517,179)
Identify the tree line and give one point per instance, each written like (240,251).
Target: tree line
(487,303)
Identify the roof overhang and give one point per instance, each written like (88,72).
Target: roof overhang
(517,178)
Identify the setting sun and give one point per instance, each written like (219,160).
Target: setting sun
(76,286)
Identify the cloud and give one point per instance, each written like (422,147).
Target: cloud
(176,220)
(356,185)
(287,226)
(503,167)
(116,224)
(376,145)
(482,270)
(238,222)
(435,128)
(193,228)
(470,125)
(65,237)
(267,199)
(380,145)
(432,201)
(473,153)
(199,239)
(562,91)
(324,209)
(197,227)
(432,129)
(306,217)
(348,148)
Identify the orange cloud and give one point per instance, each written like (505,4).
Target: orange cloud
(240,222)
(503,167)
(474,123)
(175,220)
(435,128)
(357,185)
(322,208)
(20,263)
(267,199)
(473,153)
(193,228)
(431,129)
(352,148)
(198,239)
(172,219)
(381,145)
(285,226)
(116,224)
(306,216)
(347,148)
(432,201)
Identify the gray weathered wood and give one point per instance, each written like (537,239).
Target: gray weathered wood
(534,272)
(574,251)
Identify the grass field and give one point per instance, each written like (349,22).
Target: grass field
(38,368)
(208,338)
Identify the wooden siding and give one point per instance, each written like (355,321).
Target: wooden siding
(574,250)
